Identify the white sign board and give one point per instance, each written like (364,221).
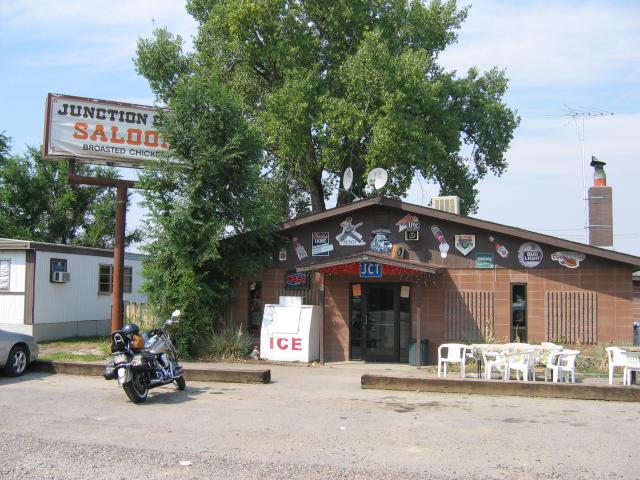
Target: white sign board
(101,131)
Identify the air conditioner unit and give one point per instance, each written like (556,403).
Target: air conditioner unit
(449,204)
(60,277)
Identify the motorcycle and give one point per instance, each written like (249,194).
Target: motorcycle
(142,362)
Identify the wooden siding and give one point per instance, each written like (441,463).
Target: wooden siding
(468,314)
(571,317)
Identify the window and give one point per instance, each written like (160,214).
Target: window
(5,269)
(519,313)
(57,265)
(105,279)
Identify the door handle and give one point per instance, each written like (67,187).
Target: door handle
(366,319)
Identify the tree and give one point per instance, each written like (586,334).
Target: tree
(211,217)
(38,203)
(346,83)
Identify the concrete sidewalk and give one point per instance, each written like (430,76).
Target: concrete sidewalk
(384,376)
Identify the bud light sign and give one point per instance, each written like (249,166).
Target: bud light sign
(370,270)
(300,280)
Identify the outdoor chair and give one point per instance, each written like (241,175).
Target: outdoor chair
(616,358)
(455,353)
(523,363)
(561,364)
(494,360)
(632,364)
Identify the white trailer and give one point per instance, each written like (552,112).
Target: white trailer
(57,291)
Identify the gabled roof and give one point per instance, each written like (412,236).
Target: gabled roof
(463,220)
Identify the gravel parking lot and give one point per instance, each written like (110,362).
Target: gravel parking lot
(309,423)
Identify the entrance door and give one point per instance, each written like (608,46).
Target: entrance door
(380,322)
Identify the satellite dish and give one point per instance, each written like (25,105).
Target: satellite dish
(347,178)
(377,178)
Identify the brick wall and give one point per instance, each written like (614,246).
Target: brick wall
(617,298)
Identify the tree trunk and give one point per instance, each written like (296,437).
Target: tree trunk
(317,192)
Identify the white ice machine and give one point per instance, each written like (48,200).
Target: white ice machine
(291,331)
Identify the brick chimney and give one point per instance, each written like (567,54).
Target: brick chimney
(600,208)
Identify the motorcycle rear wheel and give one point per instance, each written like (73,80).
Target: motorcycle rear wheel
(137,389)
(180,383)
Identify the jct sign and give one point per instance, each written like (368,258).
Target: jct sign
(101,131)
(370,270)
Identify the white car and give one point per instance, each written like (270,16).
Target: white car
(17,350)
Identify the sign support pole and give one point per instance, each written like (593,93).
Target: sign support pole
(122,186)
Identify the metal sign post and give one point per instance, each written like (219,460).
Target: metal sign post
(122,186)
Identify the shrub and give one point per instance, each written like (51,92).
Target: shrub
(230,343)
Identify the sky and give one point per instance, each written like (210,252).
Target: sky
(574,80)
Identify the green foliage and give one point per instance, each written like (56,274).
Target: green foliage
(331,84)
(210,218)
(230,343)
(37,202)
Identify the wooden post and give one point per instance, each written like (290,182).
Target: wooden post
(122,187)
(118,259)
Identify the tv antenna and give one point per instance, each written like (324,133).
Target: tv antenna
(579,115)
(377,178)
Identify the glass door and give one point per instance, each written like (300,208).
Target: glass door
(380,322)
(380,332)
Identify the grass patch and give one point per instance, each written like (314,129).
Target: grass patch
(85,349)
(77,357)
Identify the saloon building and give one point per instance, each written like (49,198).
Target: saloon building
(386,271)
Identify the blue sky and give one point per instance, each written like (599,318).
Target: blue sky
(560,56)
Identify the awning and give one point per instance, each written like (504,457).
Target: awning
(351,265)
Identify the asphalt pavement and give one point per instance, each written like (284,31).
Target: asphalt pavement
(309,422)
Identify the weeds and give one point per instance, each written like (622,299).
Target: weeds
(230,343)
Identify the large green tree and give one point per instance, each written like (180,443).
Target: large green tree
(345,83)
(210,217)
(38,203)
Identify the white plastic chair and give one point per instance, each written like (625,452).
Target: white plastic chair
(523,363)
(616,358)
(551,346)
(560,363)
(494,360)
(455,353)
(632,364)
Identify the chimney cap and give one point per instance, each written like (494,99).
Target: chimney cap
(596,163)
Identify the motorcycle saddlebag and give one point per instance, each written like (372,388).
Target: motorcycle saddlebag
(110,372)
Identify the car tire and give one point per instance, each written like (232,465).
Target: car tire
(17,361)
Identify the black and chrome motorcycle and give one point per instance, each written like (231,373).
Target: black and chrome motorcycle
(141,362)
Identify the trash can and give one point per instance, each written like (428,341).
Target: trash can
(424,343)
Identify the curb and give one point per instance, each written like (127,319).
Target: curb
(490,387)
(193,374)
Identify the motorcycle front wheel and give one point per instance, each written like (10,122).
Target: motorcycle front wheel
(137,389)
(180,383)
